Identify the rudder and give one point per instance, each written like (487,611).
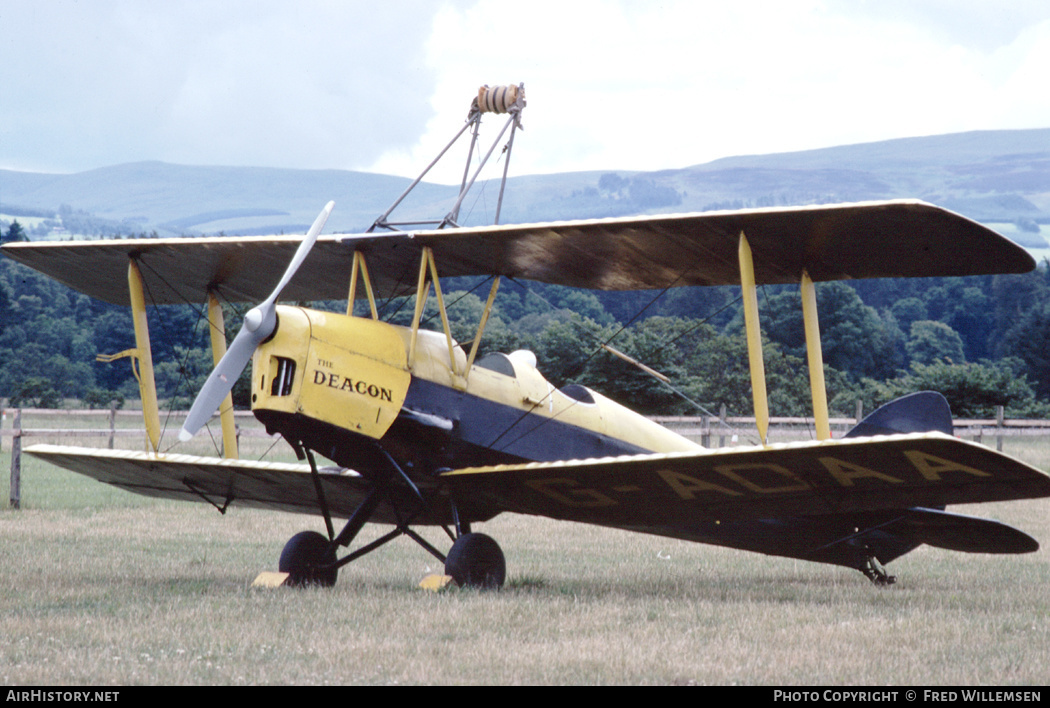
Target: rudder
(921,412)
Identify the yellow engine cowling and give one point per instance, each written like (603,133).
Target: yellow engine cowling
(346,371)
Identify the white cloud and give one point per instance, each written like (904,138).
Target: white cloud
(305,84)
(611,84)
(617,85)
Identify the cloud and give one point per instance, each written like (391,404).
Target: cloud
(978,24)
(643,86)
(305,84)
(611,84)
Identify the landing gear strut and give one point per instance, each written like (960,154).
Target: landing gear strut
(309,558)
(876,572)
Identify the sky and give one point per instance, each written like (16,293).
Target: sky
(610,84)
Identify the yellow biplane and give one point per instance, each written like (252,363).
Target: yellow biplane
(425,433)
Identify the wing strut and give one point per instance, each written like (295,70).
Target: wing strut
(141,356)
(360,266)
(422,293)
(754,347)
(217,326)
(428,267)
(754,338)
(815,358)
(481,324)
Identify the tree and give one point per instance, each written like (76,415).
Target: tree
(854,338)
(101,398)
(35,392)
(15,233)
(930,342)
(647,194)
(973,390)
(564,348)
(1029,341)
(5,306)
(908,310)
(611,182)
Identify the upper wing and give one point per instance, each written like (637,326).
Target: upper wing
(831,242)
(674,493)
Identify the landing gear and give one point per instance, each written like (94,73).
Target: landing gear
(309,558)
(476,561)
(876,572)
(304,558)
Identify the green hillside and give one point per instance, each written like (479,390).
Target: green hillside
(997,177)
(982,341)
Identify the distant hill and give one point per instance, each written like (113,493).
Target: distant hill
(996,177)
(178,199)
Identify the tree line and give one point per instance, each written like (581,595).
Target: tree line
(982,341)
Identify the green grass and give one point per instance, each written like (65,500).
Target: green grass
(102,587)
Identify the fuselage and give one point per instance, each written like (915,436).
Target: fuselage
(355,390)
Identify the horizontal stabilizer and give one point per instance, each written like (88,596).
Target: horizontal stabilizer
(890,534)
(956,532)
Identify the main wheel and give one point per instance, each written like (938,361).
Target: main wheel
(302,556)
(476,561)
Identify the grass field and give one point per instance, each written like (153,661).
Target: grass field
(101,587)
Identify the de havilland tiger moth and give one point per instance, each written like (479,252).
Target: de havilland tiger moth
(424,433)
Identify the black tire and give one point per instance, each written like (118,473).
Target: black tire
(301,557)
(476,561)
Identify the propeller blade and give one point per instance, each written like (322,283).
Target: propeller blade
(220,382)
(302,251)
(259,324)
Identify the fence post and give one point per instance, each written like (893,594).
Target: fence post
(722,425)
(860,411)
(999,425)
(112,422)
(16,461)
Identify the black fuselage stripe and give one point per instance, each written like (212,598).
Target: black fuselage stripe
(538,438)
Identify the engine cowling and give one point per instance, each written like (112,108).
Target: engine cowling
(348,372)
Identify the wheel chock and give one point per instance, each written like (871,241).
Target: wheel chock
(435,582)
(270,579)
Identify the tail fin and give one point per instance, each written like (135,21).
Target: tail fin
(921,412)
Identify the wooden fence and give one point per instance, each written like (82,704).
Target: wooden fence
(710,431)
(720,430)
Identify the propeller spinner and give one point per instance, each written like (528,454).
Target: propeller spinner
(259,324)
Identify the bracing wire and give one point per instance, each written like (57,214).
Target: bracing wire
(577,369)
(600,344)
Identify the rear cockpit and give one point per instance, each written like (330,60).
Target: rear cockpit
(524,360)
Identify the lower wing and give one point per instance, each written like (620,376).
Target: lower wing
(807,500)
(218,481)
(787,499)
